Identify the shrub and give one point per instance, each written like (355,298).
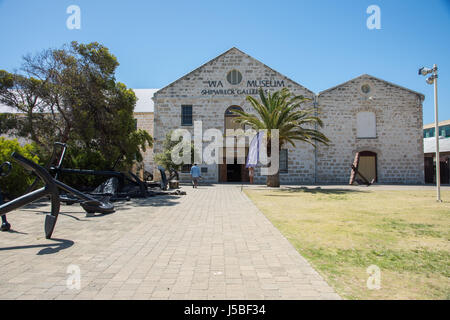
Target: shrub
(81,158)
(164,158)
(17,182)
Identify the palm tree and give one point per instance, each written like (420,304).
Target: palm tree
(283,111)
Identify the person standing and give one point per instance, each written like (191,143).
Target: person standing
(195,175)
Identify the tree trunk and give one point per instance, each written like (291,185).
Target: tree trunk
(274,180)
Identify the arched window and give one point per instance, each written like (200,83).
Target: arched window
(366,125)
(229,118)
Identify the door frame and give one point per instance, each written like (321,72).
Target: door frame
(371,154)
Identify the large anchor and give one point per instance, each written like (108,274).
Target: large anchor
(51,189)
(5,169)
(121,177)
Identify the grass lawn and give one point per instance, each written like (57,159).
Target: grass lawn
(341,232)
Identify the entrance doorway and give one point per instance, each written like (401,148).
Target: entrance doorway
(430,170)
(234,172)
(368,165)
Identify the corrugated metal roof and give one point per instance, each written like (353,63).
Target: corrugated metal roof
(429,145)
(145,101)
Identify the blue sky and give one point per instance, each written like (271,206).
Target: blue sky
(317,43)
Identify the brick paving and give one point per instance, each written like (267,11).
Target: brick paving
(212,243)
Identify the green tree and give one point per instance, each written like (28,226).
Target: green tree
(283,111)
(164,158)
(17,182)
(71,95)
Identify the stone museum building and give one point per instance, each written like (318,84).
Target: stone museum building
(379,120)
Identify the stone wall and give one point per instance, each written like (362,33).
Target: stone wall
(398,142)
(399,138)
(145,122)
(210,108)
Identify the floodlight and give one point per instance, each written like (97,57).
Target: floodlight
(430,80)
(424,71)
(433,80)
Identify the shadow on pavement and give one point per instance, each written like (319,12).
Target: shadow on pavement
(156,201)
(15,231)
(48,248)
(44,212)
(37,204)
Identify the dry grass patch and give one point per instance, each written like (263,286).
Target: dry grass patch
(343,231)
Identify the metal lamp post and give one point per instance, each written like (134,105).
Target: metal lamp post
(433,80)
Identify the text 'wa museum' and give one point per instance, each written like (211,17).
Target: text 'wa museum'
(380,120)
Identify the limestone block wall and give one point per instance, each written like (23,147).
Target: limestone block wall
(145,122)
(399,139)
(210,106)
(398,113)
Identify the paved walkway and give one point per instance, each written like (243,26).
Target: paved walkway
(212,243)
